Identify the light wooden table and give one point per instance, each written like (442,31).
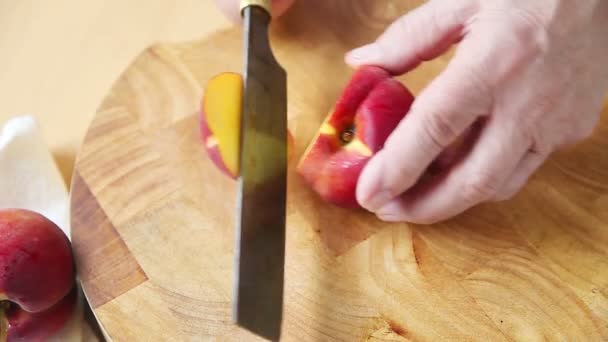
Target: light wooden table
(59,58)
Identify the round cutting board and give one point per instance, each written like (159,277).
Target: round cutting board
(153,219)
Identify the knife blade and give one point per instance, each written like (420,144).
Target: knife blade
(262,183)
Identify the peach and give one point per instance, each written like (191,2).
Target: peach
(36,263)
(368,110)
(22,325)
(220,124)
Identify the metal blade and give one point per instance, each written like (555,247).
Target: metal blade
(260,245)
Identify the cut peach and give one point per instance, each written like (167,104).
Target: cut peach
(369,109)
(221,122)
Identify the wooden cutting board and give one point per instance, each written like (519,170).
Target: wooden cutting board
(153,223)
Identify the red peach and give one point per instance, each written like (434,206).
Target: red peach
(38,326)
(36,267)
(369,109)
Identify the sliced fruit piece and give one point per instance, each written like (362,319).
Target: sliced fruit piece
(221,122)
(369,109)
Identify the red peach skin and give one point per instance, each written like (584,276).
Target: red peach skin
(36,261)
(370,108)
(27,326)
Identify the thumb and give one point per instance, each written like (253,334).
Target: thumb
(421,35)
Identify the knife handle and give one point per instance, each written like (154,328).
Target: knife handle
(265,4)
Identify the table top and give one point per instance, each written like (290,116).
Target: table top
(52,50)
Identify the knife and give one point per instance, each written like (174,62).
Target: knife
(262,183)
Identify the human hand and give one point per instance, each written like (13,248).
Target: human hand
(230,8)
(530,75)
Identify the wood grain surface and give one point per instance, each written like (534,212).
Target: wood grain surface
(154,228)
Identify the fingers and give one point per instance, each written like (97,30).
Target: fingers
(526,167)
(420,35)
(457,150)
(441,113)
(478,178)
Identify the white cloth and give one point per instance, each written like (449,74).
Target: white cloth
(30,179)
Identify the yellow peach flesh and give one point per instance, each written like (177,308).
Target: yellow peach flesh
(357,146)
(223,104)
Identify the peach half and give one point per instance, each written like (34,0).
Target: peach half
(370,107)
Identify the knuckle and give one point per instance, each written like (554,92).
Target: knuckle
(482,91)
(532,135)
(478,85)
(529,134)
(404,26)
(543,146)
(437,21)
(481,186)
(438,130)
(518,40)
(545,104)
(529,30)
(400,178)
(399,175)
(473,81)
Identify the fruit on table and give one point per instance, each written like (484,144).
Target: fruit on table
(221,122)
(37,274)
(368,110)
(38,326)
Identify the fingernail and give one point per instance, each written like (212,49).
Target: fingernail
(378,200)
(391,208)
(393,211)
(389,218)
(371,192)
(363,54)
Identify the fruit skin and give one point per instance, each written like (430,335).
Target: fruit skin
(33,252)
(36,268)
(28,326)
(371,106)
(212,147)
(220,122)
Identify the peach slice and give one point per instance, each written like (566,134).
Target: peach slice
(221,122)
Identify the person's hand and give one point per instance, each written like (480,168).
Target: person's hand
(230,8)
(531,75)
